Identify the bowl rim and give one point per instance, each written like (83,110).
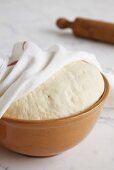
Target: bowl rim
(67,118)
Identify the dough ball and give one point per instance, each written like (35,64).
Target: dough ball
(69,91)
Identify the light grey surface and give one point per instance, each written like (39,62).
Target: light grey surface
(35,20)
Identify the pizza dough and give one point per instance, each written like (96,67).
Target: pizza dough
(69,91)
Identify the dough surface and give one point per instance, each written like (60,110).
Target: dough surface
(71,90)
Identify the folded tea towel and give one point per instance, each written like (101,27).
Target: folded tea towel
(109,73)
(29,66)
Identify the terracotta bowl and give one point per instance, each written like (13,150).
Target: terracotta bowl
(49,137)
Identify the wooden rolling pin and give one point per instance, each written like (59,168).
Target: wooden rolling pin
(90,29)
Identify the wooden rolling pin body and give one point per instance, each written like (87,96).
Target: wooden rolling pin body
(90,29)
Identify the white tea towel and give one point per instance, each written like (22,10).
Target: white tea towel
(29,66)
(109,73)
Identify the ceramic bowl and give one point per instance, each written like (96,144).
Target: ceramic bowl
(50,137)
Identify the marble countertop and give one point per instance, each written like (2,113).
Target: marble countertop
(35,20)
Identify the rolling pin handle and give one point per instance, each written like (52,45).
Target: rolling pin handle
(64,23)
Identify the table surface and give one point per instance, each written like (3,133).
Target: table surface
(35,20)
